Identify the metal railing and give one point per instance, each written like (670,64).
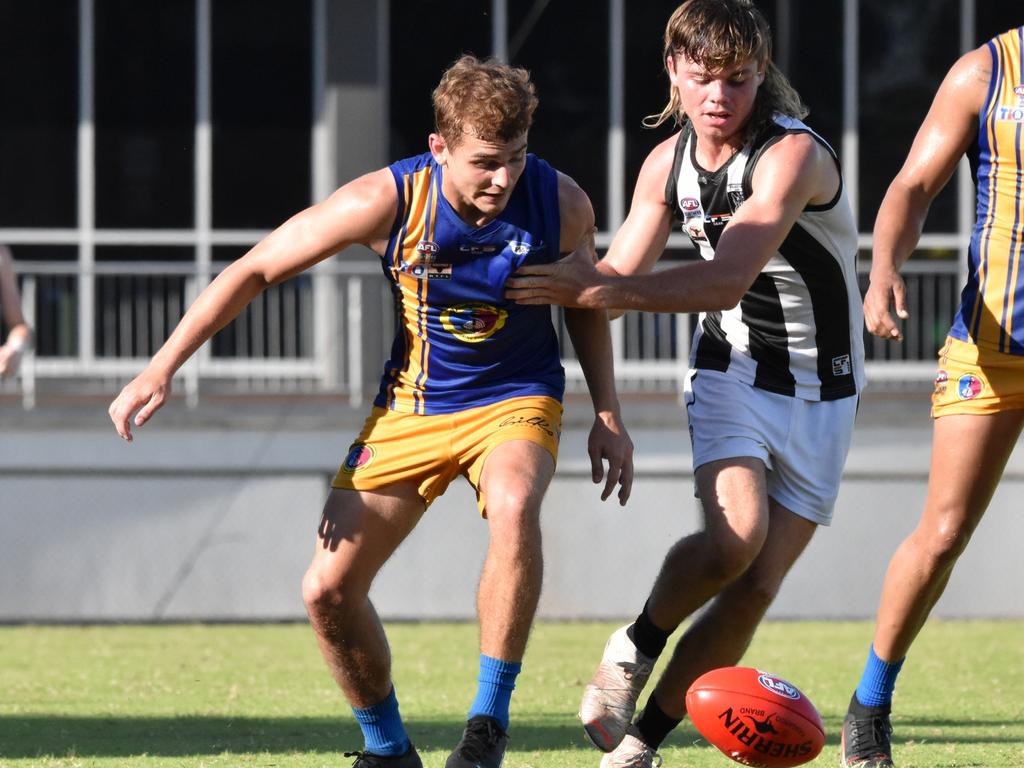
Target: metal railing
(270,346)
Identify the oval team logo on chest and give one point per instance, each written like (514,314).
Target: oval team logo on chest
(473,321)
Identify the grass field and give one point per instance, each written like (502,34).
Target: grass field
(259,695)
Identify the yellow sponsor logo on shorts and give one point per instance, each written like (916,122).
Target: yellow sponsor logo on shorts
(473,322)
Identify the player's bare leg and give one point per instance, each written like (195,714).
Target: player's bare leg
(358,532)
(695,569)
(969,454)
(721,634)
(513,481)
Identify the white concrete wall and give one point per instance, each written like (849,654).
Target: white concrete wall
(220,524)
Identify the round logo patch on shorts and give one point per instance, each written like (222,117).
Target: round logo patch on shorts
(968,386)
(359,456)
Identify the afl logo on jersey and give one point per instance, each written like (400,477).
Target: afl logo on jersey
(473,322)
(360,455)
(426,250)
(689,204)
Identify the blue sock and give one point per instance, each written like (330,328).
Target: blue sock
(494,694)
(878,681)
(383,730)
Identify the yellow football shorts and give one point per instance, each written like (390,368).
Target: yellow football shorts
(433,450)
(972,380)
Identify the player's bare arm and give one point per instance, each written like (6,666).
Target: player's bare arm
(943,138)
(362,212)
(793,173)
(19,335)
(591,338)
(636,247)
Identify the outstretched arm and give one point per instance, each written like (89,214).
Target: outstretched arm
(19,335)
(793,173)
(362,211)
(591,338)
(637,246)
(946,133)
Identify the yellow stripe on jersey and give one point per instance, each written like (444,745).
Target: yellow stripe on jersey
(421,212)
(998,255)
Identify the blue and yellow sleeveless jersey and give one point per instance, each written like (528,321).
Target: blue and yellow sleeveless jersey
(991,313)
(459,343)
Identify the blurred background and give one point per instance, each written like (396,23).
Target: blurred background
(144,146)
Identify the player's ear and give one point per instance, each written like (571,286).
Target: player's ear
(438,148)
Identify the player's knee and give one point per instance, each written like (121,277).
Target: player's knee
(513,509)
(729,558)
(326,597)
(945,543)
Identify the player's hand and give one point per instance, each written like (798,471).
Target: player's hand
(885,293)
(145,394)
(10,359)
(571,281)
(609,442)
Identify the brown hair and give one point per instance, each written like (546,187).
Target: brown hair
(486,99)
(716,34)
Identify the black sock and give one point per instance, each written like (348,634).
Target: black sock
(654,725)
(649,639)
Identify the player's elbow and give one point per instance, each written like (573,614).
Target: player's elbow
(725,295)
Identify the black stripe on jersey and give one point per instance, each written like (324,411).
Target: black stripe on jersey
(713,351)
(671,184)
(768,340)
(830,305)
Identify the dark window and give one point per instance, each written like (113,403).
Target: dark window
(39,93)
(262,111)
(563,49)
(813,62)
(993,17)
(905,50)
(426,37)
(145,113)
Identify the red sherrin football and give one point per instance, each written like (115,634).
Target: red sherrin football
(755,718)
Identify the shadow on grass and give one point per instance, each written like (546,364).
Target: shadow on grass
(27,736)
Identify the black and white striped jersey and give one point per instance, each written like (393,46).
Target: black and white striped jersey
(798,329)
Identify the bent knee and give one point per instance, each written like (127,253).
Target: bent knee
(325,595)
(730,559)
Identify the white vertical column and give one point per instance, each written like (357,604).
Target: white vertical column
(851,141)
(86,184)
(499,29)
(322,182)
(616,178)
(202,190)
(966,193)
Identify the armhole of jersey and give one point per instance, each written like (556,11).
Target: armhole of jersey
(993,85)
(748,172)
(547,176)
(400,208)
(672,183)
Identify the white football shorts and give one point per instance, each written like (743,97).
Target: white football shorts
(803,443)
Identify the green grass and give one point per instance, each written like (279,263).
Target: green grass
(199,695)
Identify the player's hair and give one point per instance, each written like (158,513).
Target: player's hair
(719,33)
(486,99)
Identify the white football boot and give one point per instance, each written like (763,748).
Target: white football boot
(609,700)
(631,753)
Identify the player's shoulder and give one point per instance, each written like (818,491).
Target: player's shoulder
(969,77)
(575,211)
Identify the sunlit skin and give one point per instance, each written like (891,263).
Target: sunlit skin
(479,175)
(718,103)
